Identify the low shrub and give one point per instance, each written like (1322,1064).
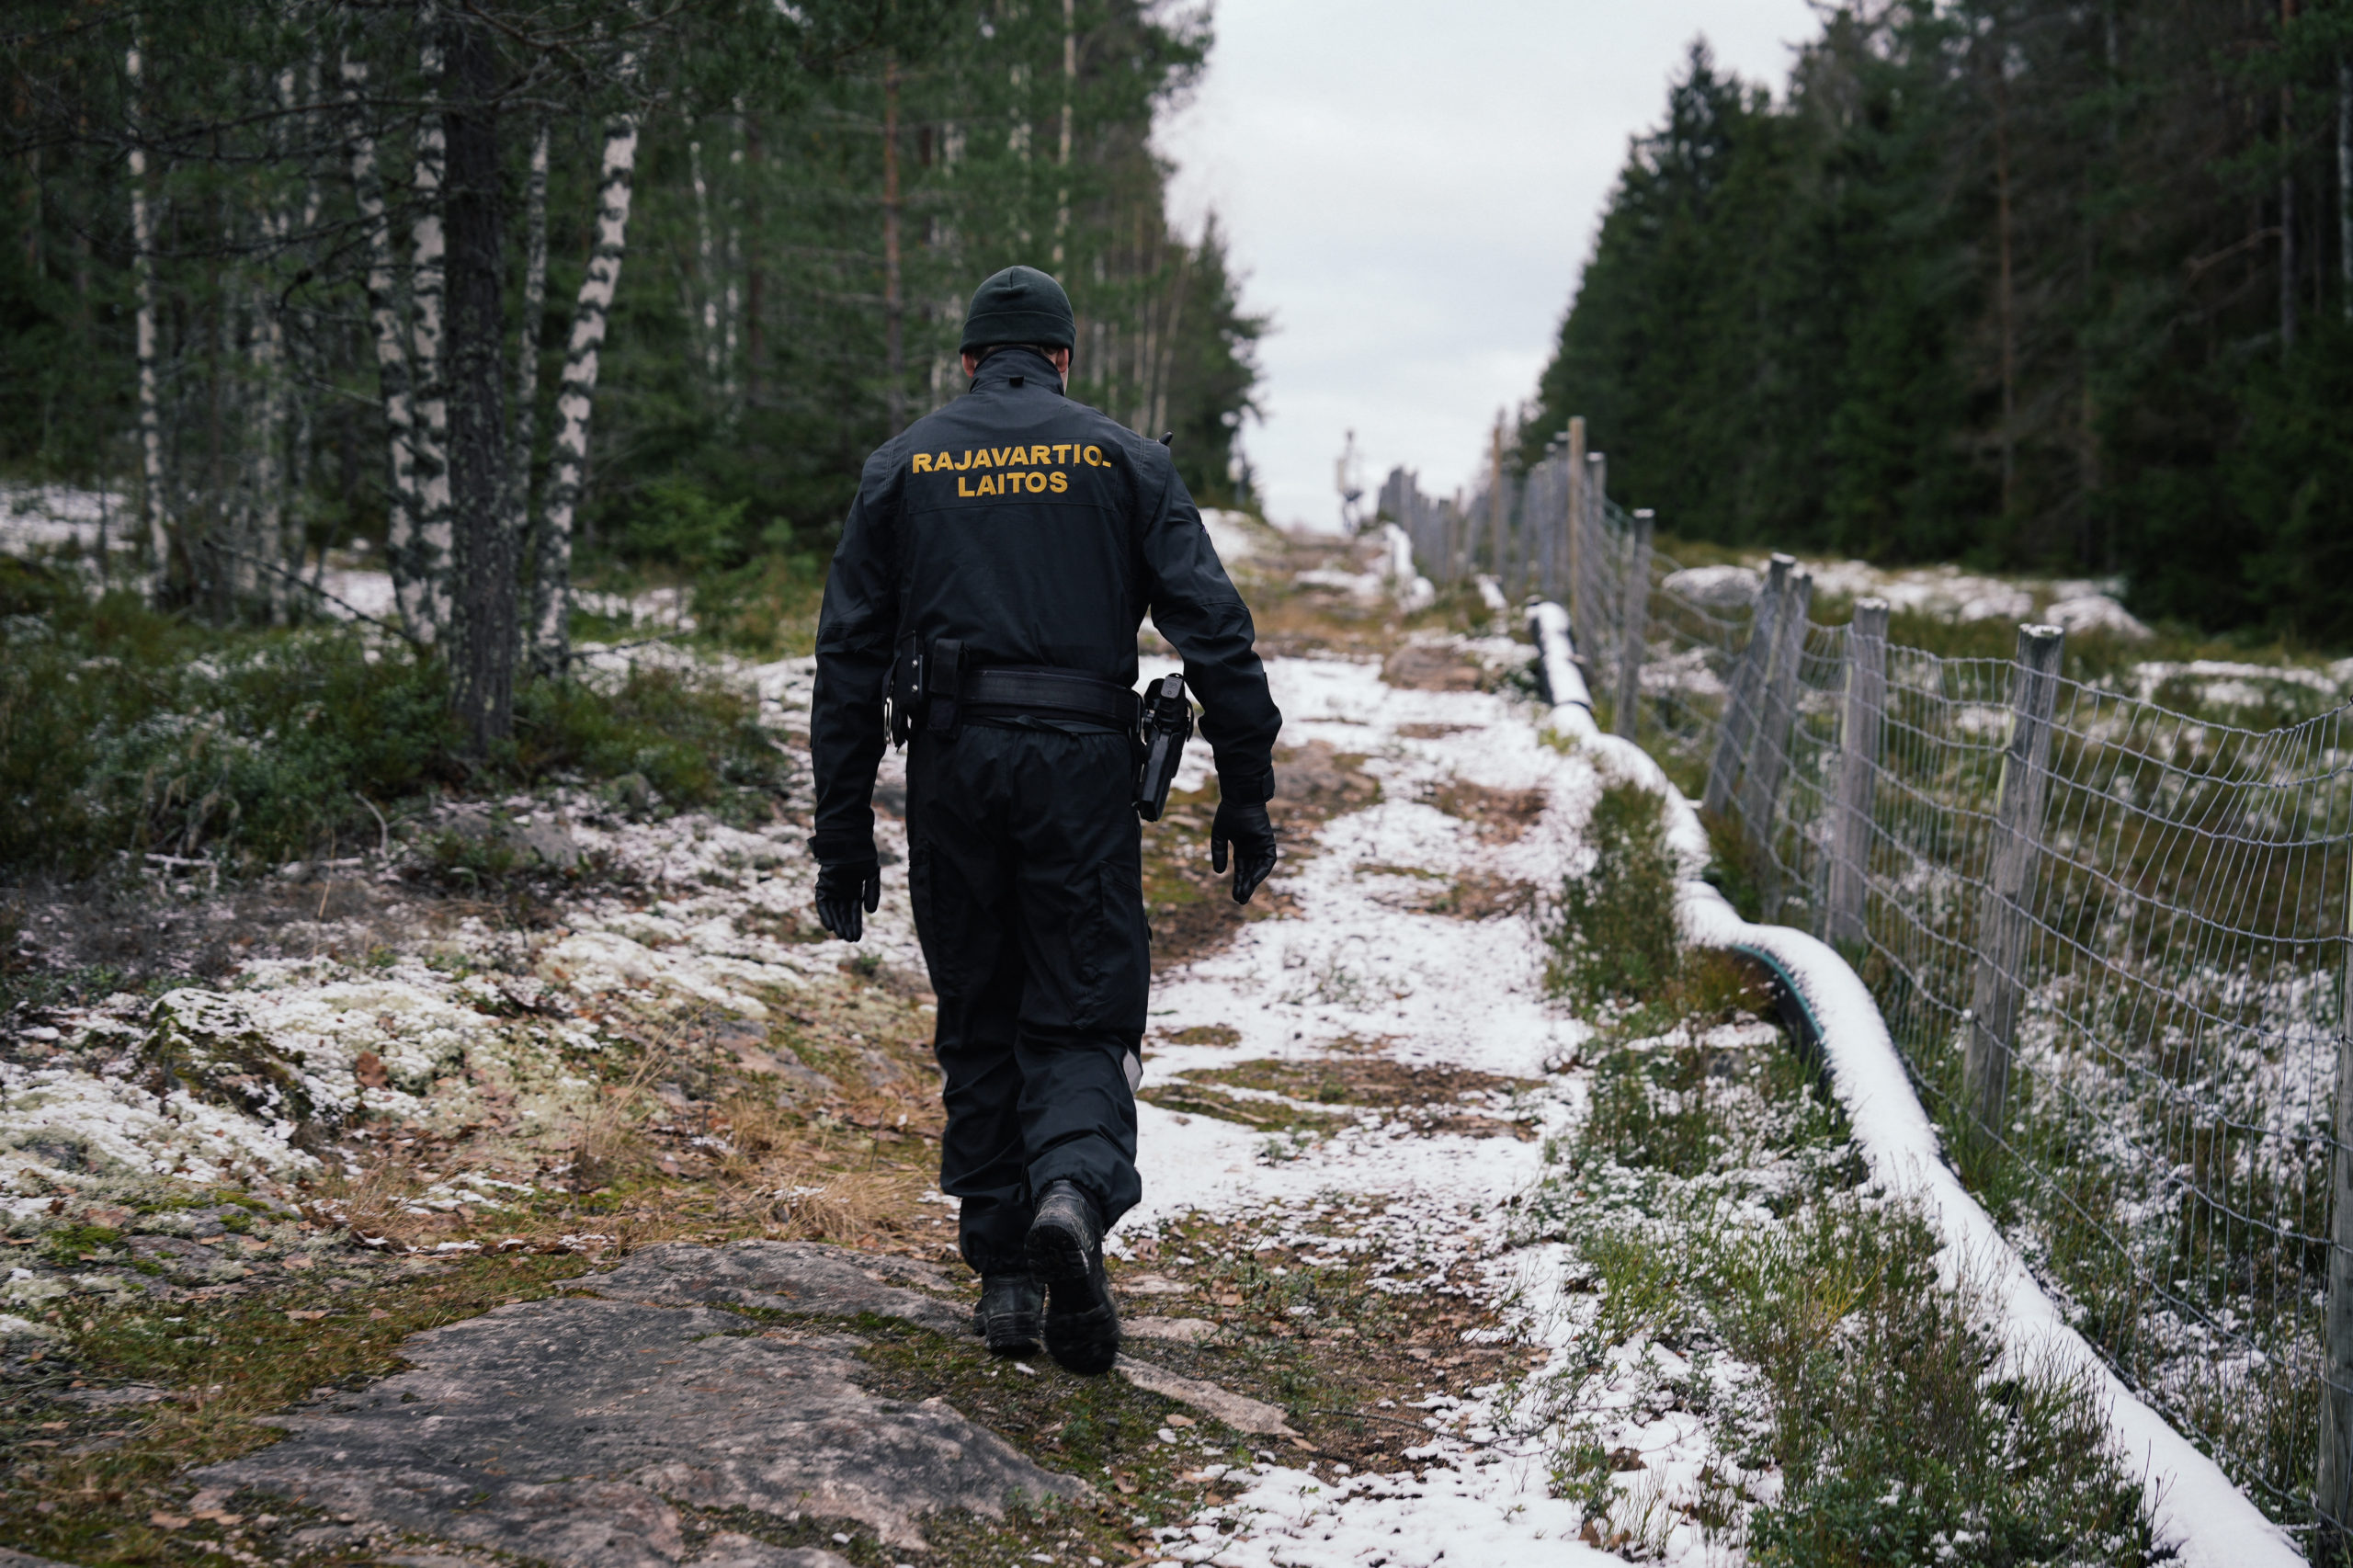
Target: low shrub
(124,730)
(1611,930)
(1721,1213)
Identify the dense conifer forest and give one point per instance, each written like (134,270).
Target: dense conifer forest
(2058,284)
(657,274)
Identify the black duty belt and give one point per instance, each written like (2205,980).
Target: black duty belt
(936,688)
(1037,690)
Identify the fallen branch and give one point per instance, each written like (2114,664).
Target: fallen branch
(309,587)
(619,647)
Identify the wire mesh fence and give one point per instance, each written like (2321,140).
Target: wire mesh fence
(2109,937)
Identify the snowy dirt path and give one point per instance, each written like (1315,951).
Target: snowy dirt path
(1363,971)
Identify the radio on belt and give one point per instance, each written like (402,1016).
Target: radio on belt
(1167,725)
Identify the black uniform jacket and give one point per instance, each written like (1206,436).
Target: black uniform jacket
(1037,531)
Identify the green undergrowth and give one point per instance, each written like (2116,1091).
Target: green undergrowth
(127,731)
(1735,1260)
(762,605)
(1611,927)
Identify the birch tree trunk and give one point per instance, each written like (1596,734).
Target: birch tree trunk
(266,499)
(702,301)
(568,474)
(424,577)
(521,524)
(267,533)
(156,499)
(482,645)
(385,326)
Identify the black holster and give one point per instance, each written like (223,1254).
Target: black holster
(927,688)
(907,687)
(943,683)
(1166,724)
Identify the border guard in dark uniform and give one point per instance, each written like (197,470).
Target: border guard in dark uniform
(984,605)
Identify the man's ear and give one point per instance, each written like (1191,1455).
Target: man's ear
(971,363)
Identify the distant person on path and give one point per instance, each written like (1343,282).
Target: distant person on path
(983,607)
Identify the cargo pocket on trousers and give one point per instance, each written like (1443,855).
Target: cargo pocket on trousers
(922,896)
(1114,954)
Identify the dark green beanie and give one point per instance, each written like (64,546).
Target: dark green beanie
(1020,304)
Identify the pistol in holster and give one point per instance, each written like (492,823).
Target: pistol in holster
(1165,725)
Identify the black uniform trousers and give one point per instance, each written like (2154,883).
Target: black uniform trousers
(1025,865)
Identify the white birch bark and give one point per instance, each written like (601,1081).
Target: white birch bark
(425,606)
(384,326)
(271,537)
(704,300)
(517,504)
(154,498)
(264,507)
(302,361)
(568,473)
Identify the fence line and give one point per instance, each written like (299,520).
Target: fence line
(2110,938)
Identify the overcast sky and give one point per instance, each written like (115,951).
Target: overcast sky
(1411,188)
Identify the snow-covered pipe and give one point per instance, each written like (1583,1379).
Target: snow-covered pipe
(2193,1506)
(1412,591)
(1564,685)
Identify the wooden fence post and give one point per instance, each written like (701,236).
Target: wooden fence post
(1747,682)
(2333,1494)
(2011,860)
(1768,748)
(1633,630)
(1850,856)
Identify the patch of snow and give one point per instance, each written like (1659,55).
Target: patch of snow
(1715,587)
(1947,592)
(1412,591)
(44,519)
(2227,682)
(366,589)
(1479,1510)
(1234,534)
(2096,612)
(1362,586)
(14,1327)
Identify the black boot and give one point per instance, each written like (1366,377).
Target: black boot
(1066,1254)
(1012,1306)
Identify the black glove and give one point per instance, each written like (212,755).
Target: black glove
(1253,836)
(842,890)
